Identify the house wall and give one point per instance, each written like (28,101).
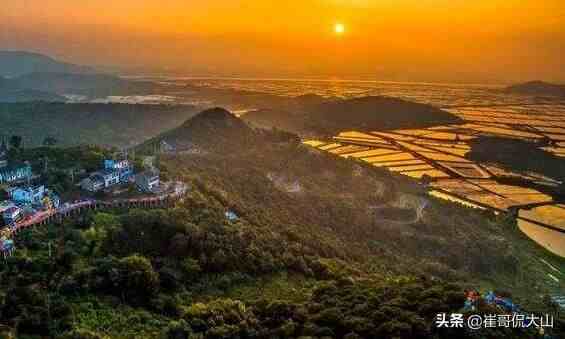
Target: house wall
(112,179)
(146,183)
(28,195)
(14,174)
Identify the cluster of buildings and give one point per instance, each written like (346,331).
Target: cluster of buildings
(26,200)
(117,172)
(23,198)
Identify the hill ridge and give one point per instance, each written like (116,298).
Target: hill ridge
(14,63)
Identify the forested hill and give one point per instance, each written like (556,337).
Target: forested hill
(273,240)
(332,116)
(538,88)
(217,130)
(104,124)
(16,63)
(211,128)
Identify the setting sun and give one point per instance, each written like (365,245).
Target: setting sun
(339,28)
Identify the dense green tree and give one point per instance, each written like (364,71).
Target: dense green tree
(138,279)
(49,141)
(82,334)
(16,141)
(313,263)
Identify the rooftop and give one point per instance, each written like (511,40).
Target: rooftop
(104,173)
(5,205)
(96,176)
(14,166)
(150,173)
(11,210)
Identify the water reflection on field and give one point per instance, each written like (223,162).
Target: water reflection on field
(551,240)
(438,155)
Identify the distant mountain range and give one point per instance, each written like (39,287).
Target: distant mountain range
(17,63)
(28,76)
(539,88)
(53,86)
(91,85)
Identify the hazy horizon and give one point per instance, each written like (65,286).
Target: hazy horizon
(425,41)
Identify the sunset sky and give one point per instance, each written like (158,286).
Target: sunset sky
(421,40)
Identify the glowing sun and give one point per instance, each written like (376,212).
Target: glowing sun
(339,28)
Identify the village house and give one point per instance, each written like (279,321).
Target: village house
(94,183)
(51,200)
(4,214)
(148,181)
(30,195)
(109,177)
(122,167)
(11,214)
(12,172)
(100,180)
(114,172)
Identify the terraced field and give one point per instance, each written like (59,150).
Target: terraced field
(439,156)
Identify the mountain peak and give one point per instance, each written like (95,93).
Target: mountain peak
(216,113)
(212,129)
(215,118)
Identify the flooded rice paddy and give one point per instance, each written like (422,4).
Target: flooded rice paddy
(440,154)
(437,155)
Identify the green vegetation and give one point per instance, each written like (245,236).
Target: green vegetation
(362,114)
(61,168)
(187,272)
(508,153)
(311,262)
(78,124)
(217,130)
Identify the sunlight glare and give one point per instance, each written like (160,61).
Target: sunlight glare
(339,28)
